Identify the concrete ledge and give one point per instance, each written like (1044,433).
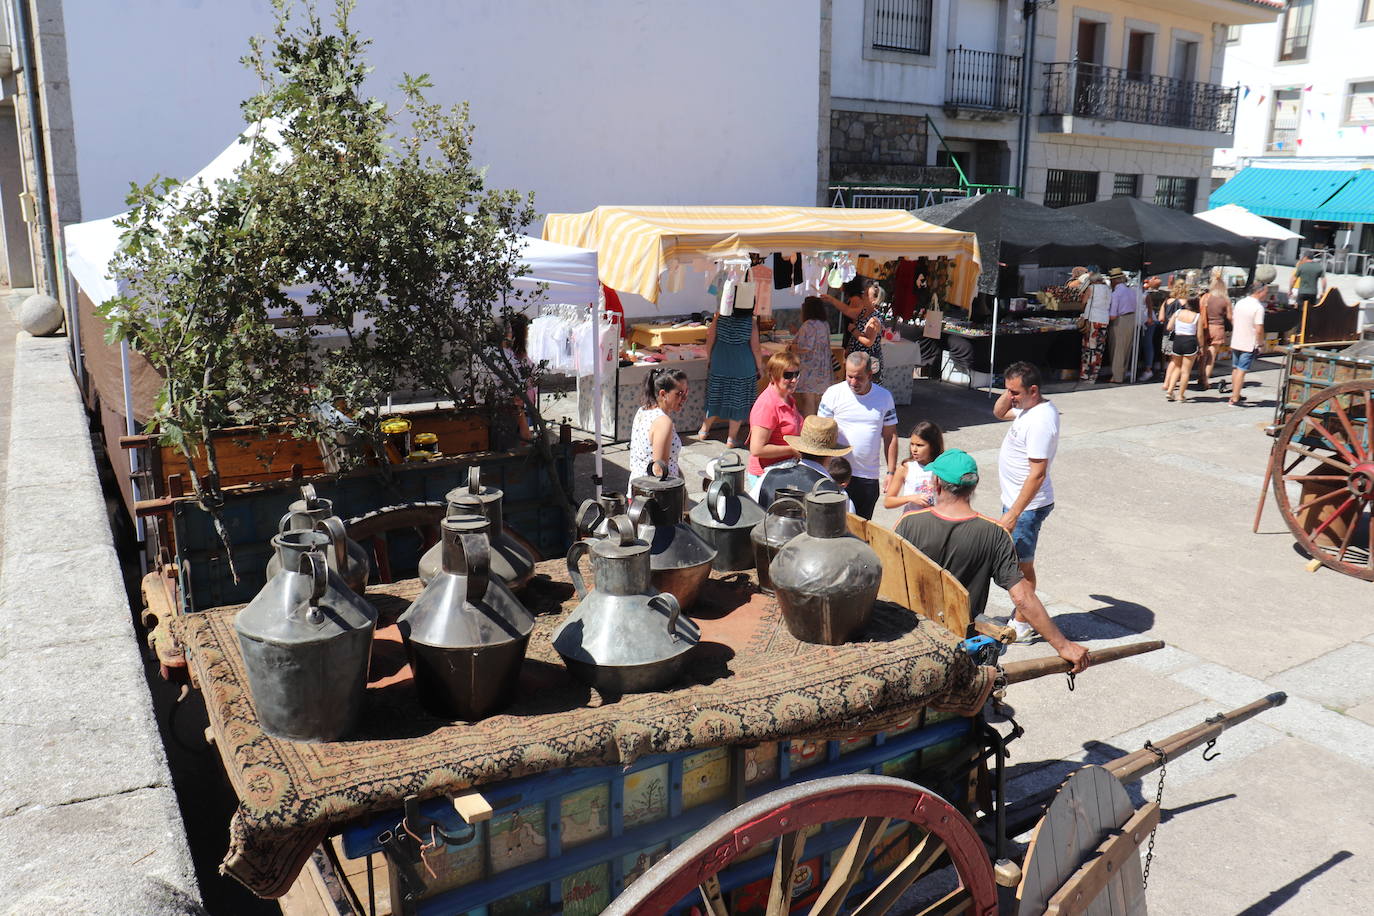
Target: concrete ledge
(89,822)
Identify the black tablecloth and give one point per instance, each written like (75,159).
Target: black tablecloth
(1051,349)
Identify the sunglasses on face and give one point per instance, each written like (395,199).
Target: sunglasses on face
(791,374)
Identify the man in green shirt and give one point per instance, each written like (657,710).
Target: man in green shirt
(1309,281)
(977,550)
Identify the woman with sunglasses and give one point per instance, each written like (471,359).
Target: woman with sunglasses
(774,416)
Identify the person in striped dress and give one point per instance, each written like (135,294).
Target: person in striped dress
(734,364)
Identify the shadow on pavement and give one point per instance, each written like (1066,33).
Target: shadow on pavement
(1278,897)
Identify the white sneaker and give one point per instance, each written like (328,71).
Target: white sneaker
(1025,633)
(1146,375)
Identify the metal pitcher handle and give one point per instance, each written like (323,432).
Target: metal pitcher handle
(475,479)
(589,515)
(308,494)
(575,553)
(783,501)
(338,540)
(658,461)
(640,509)
(313,565)
(665,601)
(476,556)
(721,490)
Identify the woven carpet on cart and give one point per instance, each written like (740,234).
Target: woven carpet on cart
(750,681)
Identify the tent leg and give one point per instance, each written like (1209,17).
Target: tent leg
(597,312)
(992,350)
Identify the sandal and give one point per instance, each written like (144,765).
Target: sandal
(730,443)
(703,433)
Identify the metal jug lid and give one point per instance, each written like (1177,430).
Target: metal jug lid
(473,489)
(728,466)
(620,541)
(652,484)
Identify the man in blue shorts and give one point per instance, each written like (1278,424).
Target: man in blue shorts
(1247,335)
(1023,467)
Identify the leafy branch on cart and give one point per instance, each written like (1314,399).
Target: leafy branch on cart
(346,219)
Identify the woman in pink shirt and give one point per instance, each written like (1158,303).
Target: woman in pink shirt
(774,415)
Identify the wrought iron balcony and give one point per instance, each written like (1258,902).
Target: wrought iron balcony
(983,80)
(1110,94)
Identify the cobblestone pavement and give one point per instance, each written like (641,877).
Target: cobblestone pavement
(1151,537)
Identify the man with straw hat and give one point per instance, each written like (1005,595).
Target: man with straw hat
(819,440)
(977,550)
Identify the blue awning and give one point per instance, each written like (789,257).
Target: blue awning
(1353,203)
(1288,193)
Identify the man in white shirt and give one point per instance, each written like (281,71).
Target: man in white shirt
(867,417)
(1023,466)
(1247,323)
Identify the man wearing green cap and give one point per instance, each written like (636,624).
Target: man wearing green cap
(976,549)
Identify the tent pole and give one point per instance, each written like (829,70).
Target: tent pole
(992,350)
(129,428)
(598,310)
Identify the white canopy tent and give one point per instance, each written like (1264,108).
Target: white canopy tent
(559,273)
(1237,219)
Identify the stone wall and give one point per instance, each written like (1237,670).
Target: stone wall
(882,148)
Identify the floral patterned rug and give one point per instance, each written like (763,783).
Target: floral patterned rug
(750,681)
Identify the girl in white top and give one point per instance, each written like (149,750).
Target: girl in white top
(1184,326)
(912,487)
(653,436)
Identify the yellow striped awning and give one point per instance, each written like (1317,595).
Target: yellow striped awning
(636,244)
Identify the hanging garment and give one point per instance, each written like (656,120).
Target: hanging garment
(762,278)
(904,289)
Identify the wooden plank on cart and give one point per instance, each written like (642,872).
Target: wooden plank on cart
(1100,872)
(954,612)
(1090,806)
(888,546)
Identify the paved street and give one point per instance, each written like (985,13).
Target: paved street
(1150,537)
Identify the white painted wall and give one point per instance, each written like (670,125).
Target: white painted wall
(1339,54)
(584,103)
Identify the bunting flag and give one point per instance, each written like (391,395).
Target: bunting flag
(1340,135)
(1279,145)
(1364,128)
(1323,114)
(1261,100)
(1247,92)
(1308,89)
(1300,141)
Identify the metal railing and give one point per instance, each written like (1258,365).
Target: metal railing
(902,25)
(899,197)
(983,79)
(1110,94)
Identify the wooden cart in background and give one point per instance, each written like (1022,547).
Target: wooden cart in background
(1321,466)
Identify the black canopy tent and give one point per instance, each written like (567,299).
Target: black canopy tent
(1170,239)
(1013,231)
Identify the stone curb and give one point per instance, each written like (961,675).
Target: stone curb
(87,812)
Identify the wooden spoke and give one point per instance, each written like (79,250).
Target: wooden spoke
(916,864)
(1334,494)
(1350,530)
(789,853)
(1293,478)
(956,901)
(1326,434)
(1332,517)
(850,866)
(712,898)
(1351,436)
(1315,456)
(1369,422)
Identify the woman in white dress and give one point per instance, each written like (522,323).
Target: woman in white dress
(653,436)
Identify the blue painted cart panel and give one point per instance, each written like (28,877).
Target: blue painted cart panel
(569,841)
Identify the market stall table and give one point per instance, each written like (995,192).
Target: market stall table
(750,682)
(1053,343)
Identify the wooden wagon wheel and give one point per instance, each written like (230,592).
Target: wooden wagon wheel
(1326,449)
(789,815)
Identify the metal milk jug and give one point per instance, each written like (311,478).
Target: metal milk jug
(594,515)
(825,578)
(466,633)
(303,515)
(306,640)
(784,520)
(679,559)
(624,636)
(511,562)
(727,516)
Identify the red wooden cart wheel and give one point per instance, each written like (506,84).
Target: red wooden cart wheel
(785,815)
(1326,452)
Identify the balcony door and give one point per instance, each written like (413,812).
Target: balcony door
(1090,53)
